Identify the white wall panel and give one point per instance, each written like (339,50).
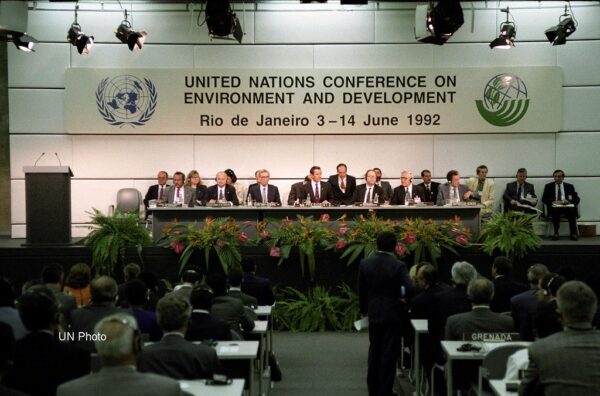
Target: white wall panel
(36,110)
(99,194)
(26,149)
(373,55)
(51,25)
(150,56)
(580,61)
(481,55)
(587,189)
(256,56)
(581,109)
(577,153)
(395,26)
(17,201)
(44,68)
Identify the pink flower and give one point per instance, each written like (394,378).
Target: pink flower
(178,246)
(462,239)
(455,230)
(400,249)
(340,244)
(275,251)
(242,237)
(220,243)
(410,238)
(325,217)
(344,230)
(265,234)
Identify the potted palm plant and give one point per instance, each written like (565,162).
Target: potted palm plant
(511,234)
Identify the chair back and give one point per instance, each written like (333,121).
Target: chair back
(495,360)
(129,200)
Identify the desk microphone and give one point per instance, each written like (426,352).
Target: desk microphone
(58,158)
(39,158)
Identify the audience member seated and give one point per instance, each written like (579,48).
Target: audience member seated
(8,313)
(520,195)
(77,283)
(202,326)
(52,277)
(136,295)
(255,285)
(567,362)
(104,295)
(174,356)
(523,305)
(7,353)
(228,309)
(130,272)
(504,286)
(42,361)
(152,283)
(118,375)
(485,189)
(235,282)
(190,278)
(546,318)
(558,198)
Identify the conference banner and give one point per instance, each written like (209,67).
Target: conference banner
(313,101)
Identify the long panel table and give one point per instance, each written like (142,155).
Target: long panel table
(249,215)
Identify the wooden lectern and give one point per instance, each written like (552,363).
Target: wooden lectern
(48,204)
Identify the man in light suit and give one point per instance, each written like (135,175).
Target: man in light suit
(118,375)
(180,194)
(297,189)
(453,190)
(567,362)
(318,190)
(519,192)
(385,185)
(343,186)
(366,193)
(263,191)
(430,187)
(406,191)
(485,188)
(222,191)
(557,194)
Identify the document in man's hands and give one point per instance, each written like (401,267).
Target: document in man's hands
(570,205)
(520,205)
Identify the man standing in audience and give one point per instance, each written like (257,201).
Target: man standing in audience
(222,192)
(430,188)
(255,285)
(318,191)
(523,305)
(157,191)
(385,185)
(485,189)
(406,192)
(567,362)
(343,186)
(297,190)
(179,194)
(561,199)
(53,276)
(118,375)
(202,326)
(520,195)
(369,192)
(381,279)
(504,286)
(453,190)
(263,191)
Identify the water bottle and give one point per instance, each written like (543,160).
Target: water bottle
(376,198)
(249,200)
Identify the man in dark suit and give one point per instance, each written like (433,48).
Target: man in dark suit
(369,192)
(263,191)
(256,286)
(453,190)
(381,280)
(524,305)
(202,326)
(343,186)
(297,190)
(504,287)
(53,276)
(235,282)
(180,194)
(518,193)
(385,185)
(157,191)
(430,188)
(317,190)
(222,192)
(556,195)
(41,360)
(228,309)
(567,362)
(406,192)
(174,356)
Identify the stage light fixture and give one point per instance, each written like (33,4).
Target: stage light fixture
(436,24)
(558,34)
(508,32)
(21,40)
(128,36)
(222,21)
(77,38)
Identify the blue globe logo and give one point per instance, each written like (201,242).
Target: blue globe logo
(505,100)
(126,100)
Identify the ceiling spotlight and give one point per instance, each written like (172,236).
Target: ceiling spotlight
(558,34)
(23,41)
(77,38)
(221,21)
(128,36)
(435,25)
(508,32)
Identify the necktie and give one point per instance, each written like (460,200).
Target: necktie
(427,187)
(160,192)
(407,194)
(343,184)
(220,194)
(317,196)
(178,195)
(264,195)
(369,195)
(559,193)
(519,192)
(456,194)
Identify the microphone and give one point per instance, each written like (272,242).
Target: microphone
(58,158)
(39,158)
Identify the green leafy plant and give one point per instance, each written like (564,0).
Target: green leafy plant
(111,235)
(511,234)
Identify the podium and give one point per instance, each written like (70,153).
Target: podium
(48,204)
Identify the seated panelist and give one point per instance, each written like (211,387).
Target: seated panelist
(263,191)
(453,190)
(561,199)
(407,191)
(222,192)
(317,190)
(179,194)
(370,192)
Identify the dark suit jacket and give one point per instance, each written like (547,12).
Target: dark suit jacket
(510,193)
(400,192)
(255,193)
(550,194)
(339,197)
(85,318)
(478,320)
(361,191)
(204,327)
(243,297)
(230,194)
(387,190)
(504,289)
(231,310)
(201,195)
(380,279)
(258,287)
(430,196)
(448,302)
(66,305)
(152,193)
(325,192)
(42,362)
(296,192)
(175,357)
(523,307)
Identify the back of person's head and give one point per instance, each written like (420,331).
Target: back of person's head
(38,308)
(103,289)
(52,273)
(248,265)
(149,278)
(191,276)
(235,277)
(535,273)
(428,273)
(7,294)
(217,283)
(551,282)
(173,312)
(386,242)
(463,273)
(131,271)
(7,347)
(122,340)
(481,291)
(503,265)
(79,276)
(30,283)
(136,292)
(201,298)
(576,302)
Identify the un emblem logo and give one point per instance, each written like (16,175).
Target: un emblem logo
(126,100)
(504,101)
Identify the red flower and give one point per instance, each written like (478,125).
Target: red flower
(220,243)
(462,239)
(410,238)
(265,235)
(242,237)
(178,246)
(400,249)
(324,217)
(344,230)
(340,244)
(455,230)
(275,251)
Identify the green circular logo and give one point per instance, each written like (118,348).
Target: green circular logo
(504,101)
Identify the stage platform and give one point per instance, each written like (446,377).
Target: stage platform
(20,263)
